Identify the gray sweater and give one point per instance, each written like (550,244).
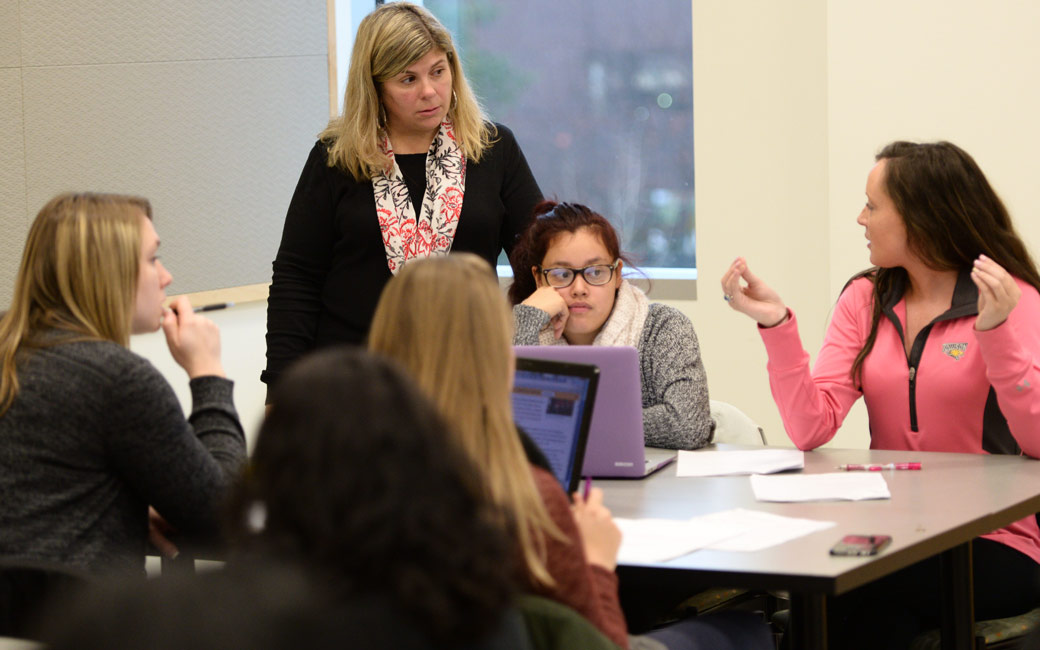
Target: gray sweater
(676,412)
(95,436)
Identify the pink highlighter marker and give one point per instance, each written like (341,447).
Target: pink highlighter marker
(878,468)
(588,486)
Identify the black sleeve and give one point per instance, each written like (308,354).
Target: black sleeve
(520,192)
(300,268)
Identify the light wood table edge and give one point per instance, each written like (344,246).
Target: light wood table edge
(237,295)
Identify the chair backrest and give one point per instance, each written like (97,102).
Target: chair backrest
(8,643)
(26,588)
(734,427)
(554,626)
(1021,632)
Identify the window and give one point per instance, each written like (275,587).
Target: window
(600,96)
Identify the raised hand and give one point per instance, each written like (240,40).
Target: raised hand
(194,341)
(998,293)
(551,302)
(754,298)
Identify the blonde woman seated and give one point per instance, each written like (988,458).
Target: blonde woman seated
(92,434)
(446,322)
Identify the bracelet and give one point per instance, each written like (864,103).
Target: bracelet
(783,320)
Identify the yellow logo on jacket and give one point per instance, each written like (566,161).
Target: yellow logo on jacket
(954,350)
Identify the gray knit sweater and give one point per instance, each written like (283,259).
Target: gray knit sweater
(95,436)
(676,412)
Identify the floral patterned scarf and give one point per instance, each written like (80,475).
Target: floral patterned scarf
(405,237)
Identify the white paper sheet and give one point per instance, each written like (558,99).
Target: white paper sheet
(769,529)
(727,463)
(659,540)
(837,486)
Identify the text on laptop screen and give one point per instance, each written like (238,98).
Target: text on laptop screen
(550,407)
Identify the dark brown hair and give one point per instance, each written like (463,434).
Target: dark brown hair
(952,215)
(356,476)
(552,219)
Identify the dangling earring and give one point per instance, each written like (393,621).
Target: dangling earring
(382,115)
(454,100)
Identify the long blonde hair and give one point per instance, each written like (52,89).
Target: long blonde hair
(390,39)
(446,321)
(78,273)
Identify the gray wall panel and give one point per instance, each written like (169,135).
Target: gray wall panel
(13,217)
(207,108)
(216,145)
(129,31)
(10,39)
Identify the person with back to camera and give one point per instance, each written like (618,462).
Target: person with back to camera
(380,504)
(568,289)
(941,339)
(412,168)
(92,433)
(446,322)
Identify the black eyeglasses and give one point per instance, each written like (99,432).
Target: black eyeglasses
(595,275)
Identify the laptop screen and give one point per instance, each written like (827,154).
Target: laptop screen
(616,446)
(552,403)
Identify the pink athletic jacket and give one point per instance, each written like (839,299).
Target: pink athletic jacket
(943,397)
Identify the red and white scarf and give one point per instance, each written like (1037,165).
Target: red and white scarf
(405,237)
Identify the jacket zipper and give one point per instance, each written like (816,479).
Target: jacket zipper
(963,307)
(914,360)
(913,398)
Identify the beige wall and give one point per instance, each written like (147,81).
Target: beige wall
(959,70)
(760,103)
(791,105)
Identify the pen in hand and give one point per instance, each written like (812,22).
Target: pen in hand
(214,307)
(878,468)
(588,486)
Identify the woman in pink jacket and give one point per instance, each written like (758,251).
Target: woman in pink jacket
(941,338)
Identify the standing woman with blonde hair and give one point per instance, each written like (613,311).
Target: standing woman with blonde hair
(447,323)
(92,434)
(411,169)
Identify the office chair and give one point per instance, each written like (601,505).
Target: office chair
(993,634)
(554,626)
(733,426)
(26,588)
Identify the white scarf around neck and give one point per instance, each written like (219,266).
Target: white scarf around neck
(624,326)
(405,237)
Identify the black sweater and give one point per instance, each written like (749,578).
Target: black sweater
(331,264)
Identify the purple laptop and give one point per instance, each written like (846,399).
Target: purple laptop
(616,448)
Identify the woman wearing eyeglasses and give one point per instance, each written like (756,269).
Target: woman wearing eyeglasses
(568,290)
